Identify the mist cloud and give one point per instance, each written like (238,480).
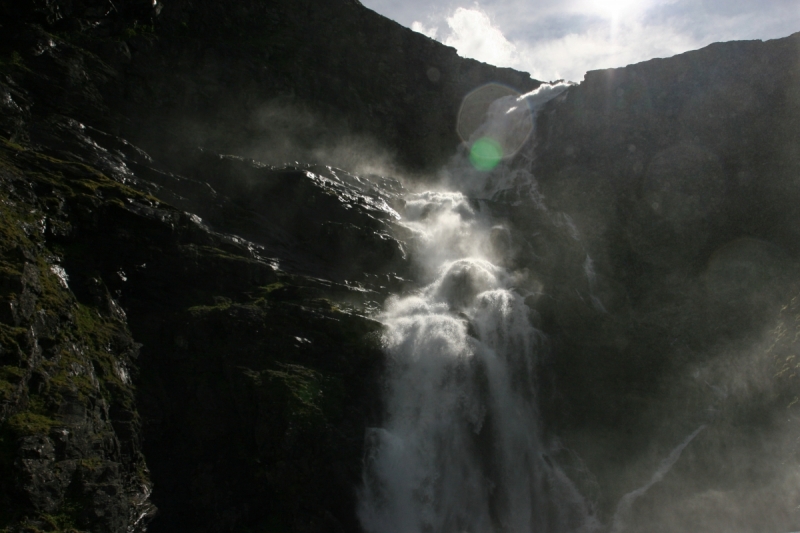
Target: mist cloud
(474,35)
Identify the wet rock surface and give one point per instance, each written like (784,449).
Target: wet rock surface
(233,354)
(206,318)
(71,436)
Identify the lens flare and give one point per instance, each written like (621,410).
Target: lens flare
(485,153)
(494,121)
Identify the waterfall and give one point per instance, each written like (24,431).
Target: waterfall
(461,448)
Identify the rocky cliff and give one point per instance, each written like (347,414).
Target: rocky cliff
(680,177)
(186,336)
(275,80)
(189,332)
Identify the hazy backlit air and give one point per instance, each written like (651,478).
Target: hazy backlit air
(462,446)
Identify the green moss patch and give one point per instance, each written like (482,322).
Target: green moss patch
(28,423)
(10,377)
(303,388)
(12,338)
(73,179)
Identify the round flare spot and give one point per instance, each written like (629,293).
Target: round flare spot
(495,112)
(485,153)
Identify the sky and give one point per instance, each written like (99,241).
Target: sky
(562,39)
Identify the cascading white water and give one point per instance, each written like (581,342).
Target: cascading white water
(461,448)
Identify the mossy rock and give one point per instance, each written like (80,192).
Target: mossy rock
(28,423)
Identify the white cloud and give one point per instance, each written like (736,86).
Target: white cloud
(418,27)
(601,45)
(600,42)
(473,35)
(554,39)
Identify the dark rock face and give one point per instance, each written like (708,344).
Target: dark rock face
(688,137)
(680,177)
(192,296)
(320,79)
(239,437)
(71,433)
(80,14)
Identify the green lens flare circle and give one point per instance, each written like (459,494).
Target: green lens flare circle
(485,153)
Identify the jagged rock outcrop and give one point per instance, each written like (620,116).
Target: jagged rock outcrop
(91,259)
(71,433)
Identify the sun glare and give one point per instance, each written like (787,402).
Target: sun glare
(616,9)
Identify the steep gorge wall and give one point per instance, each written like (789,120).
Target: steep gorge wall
(276,80)
(682,179)
(196,342)
(283,80)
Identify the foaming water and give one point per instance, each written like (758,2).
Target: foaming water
(461,448)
